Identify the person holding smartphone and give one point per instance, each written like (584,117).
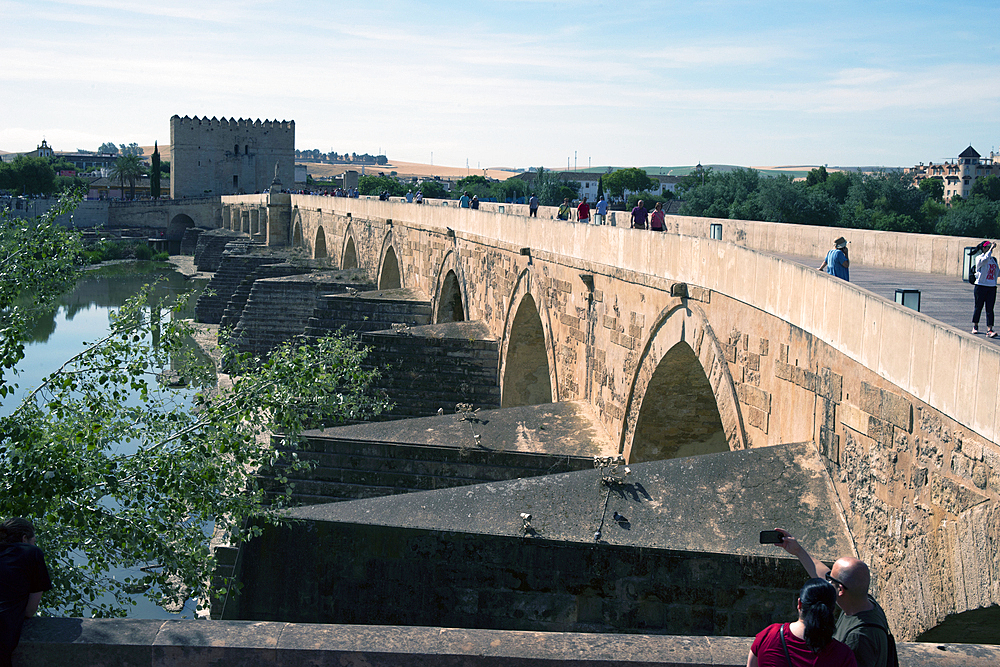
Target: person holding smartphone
(836,262)
(985,290)
(863,625)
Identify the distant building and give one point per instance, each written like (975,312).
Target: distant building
(958,175)
(588,182)
(227,157)
(42,151)
(84,161)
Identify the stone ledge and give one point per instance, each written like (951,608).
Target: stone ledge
(131,642)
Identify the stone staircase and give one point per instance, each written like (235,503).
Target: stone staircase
(237,303)
(347,469)
(236,264)
(279,308)
(434,367)
(210,247)
(376,310)
(189,242)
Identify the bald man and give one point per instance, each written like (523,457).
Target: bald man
(851,578)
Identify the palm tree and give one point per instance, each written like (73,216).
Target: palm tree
(128,168)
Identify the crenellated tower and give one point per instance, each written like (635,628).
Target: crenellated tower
(212,156)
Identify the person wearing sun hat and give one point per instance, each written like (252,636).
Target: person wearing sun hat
(985,290)
(836,262)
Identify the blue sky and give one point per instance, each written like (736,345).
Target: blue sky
(517,83)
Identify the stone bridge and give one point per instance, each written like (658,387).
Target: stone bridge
(685,345)
(173,216)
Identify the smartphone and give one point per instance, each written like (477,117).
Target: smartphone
(771,537)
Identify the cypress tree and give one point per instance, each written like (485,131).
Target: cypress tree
(154,176)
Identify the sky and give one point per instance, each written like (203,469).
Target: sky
(517,83)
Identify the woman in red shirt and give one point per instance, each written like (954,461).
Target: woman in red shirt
(657,220)
(808,642)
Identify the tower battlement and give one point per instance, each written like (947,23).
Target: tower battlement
(224,156)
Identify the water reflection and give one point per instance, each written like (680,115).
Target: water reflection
(107,288)
(81,316)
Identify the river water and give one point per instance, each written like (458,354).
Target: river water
(80,316)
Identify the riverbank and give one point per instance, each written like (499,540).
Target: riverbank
(184,264)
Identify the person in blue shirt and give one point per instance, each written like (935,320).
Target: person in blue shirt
(465,201)
(836,262)
(602,211)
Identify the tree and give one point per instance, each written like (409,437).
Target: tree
(376,185)
(117,469)
(976,217)
(816,176)
(510,190)
(28,176)
(987,187)
(475,184)
(551,189)
(128,167)
(132,149)
(933,188)
(154,173)
(109,148)
(632,179)
(433,190)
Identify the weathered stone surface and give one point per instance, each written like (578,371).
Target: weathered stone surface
(92,643)
(384,458)
(691,532)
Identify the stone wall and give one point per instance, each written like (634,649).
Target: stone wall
(378,575)
(155,643)
(229,156)
(903,408)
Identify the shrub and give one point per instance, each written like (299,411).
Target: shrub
(143,251)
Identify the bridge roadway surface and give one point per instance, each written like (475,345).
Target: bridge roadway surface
(946,299)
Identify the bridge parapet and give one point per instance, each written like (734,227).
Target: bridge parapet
(139,643)
(918,354)
(903,407)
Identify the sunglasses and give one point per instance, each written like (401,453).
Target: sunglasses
(835,581)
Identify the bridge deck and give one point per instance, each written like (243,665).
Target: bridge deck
(944,298)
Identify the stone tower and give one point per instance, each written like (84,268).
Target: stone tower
(225,157)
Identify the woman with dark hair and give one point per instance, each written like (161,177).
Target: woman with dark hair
(23,578)
(808,642)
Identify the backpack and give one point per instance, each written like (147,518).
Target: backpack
(891,659)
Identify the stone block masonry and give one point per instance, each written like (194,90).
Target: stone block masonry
(229,156)
(157,643)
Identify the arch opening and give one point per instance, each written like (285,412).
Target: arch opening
(319,245)
(350,260)
(177,226)
(389,277)
(297,234)
(976,626)
(450,308)
(679,415)
(526,379)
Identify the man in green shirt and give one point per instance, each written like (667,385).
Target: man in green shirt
(851,578)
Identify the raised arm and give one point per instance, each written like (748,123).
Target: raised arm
(813,566)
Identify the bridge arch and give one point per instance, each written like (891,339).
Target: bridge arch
(178,225)
(389,276)
(349,257)
(319,245)
(682,400)
(528,361)
(449,306)
(298,240)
